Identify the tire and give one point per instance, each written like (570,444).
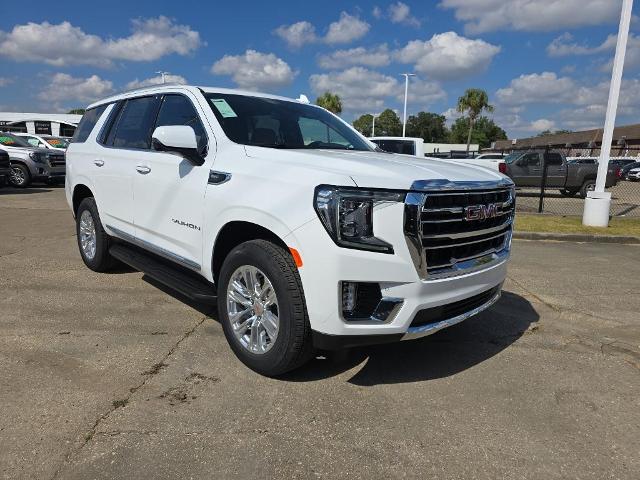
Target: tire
(565,192)
(100,260)
(587,186)
(292,346)
(20,176)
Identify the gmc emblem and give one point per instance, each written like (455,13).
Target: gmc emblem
(481,212)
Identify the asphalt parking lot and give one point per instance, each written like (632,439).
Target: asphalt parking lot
(108,376)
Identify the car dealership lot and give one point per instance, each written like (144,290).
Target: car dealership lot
(106,375)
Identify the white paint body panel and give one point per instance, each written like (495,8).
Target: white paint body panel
(274,188)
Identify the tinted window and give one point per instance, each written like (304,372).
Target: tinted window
(134,126)
(406,147)
(273,123)
(554,159)
(531,159)
(178,110)
(88,121)
(13,141)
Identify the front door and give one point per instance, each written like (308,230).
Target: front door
(527,170)
(556,170)
(169,190)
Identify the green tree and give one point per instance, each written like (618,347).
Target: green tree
(431,127)
(485,132)
(76,111)
(388,124)
(331,102)
(544,133)
(364,124)
(473,103)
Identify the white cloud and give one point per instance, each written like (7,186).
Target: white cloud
(564,45)
(63,87)
(347,29)
(537,88)
(255,70)
(297,34)
(63,44)
(401,13)
(370,57)
(366,90)
(451,114)
(448,55)
(532,15)
(156,81)
(377,12)
(542,124)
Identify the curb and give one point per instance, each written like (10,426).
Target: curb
(577,237)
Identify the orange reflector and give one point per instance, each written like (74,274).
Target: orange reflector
(296,256)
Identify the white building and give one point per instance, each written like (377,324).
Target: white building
(58,124)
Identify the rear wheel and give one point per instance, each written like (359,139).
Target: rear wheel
(262,308)
(93,241)
(20,176)
(587,186)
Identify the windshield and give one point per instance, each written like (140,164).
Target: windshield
(267,122)
(9,140)
(57,142)
(512,157)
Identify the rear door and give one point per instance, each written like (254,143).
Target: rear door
(169,189)
(556,170)
(126,141)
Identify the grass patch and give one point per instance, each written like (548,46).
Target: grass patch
(555,224)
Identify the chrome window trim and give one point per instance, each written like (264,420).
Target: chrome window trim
(424,330)
(174,257)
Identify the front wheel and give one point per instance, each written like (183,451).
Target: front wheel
(20,176)
(93,241)
(262,308)
(587,186)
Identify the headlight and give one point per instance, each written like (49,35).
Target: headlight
(347,215)
(36,157)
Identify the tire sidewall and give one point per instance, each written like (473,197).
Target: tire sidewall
(585,188)
(102,248)
(25,172)
(251,254)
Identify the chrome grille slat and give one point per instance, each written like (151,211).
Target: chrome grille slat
(446,239)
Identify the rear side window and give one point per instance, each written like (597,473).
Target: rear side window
(554,159)
(134,125)
(178,110)
(88,121)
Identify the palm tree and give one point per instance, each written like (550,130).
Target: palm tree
(331,102)
(473,102)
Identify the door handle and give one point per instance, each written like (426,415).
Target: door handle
(98,163)
(142,169)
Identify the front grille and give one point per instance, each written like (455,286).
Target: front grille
(451,310)
(454,230)
(56,160)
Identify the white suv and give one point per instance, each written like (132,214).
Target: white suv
(305,235)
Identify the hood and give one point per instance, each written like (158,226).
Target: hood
(378,170)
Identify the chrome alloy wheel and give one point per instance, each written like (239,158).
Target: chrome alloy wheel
(252,308)
(18,177)
(87,235)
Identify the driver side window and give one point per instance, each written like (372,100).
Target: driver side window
(178,110)
(531,160)
(313,130)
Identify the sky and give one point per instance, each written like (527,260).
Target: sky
(546,64)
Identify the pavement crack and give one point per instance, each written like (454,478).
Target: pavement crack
(120,403)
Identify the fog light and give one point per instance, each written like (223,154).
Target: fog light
(349,296)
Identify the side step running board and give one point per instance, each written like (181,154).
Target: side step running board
(182,280)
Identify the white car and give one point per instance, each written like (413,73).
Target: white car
(634,175)
(305,236)
(45,141)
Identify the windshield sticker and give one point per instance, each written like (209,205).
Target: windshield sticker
(7,141)
(223,107)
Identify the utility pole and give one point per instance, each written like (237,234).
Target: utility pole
(373,125)
(406,91)
(163,75)
(597,205)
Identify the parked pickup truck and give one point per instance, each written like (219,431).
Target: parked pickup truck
(526,170)
(305,235)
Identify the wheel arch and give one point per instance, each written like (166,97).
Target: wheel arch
(80,192)
(234,233)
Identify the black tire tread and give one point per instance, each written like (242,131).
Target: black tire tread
(106,261)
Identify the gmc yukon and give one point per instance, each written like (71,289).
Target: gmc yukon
(303,234)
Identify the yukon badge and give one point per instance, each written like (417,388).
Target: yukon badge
(185,224)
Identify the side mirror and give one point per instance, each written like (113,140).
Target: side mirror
(180,139)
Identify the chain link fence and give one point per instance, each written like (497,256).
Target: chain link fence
(556,180)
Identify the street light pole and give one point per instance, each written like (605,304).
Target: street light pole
(406,91)
(597,205)
(373,125)
(163,75)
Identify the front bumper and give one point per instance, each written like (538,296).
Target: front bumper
(45,172)
(325,266)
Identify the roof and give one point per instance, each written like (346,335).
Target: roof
(191,88)
(630,132)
